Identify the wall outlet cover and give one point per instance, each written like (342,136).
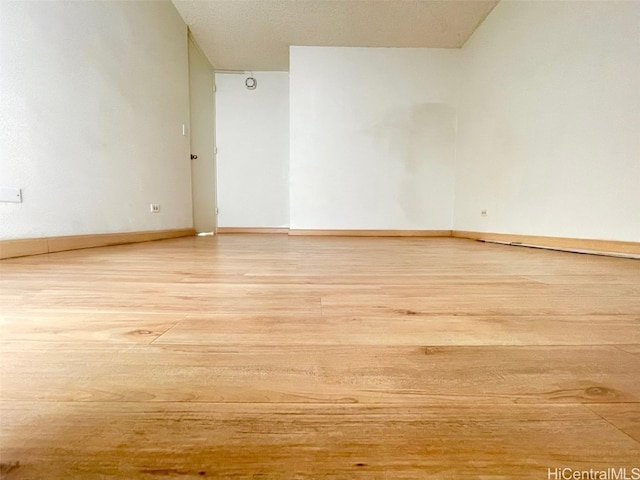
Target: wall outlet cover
(10,194)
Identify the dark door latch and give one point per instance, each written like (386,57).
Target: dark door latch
(193,157)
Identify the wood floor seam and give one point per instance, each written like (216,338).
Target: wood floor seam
(637,441)
(153,342)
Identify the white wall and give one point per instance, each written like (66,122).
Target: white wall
(372,137)
(252,135)
(94,95)
(549,121)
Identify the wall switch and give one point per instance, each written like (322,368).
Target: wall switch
(154,208)
(8,194)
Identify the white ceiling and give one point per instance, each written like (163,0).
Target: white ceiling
(256,34)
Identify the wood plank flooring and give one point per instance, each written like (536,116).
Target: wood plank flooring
(269,356)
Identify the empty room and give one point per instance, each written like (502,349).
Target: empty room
(320,239)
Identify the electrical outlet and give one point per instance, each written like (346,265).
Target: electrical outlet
(483,213)
(154,208)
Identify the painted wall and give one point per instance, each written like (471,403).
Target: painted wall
(252,135)
(94,95)
(549,121)
(372,137)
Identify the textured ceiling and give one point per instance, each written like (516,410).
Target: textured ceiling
(256,34)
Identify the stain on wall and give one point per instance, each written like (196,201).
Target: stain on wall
(421,139)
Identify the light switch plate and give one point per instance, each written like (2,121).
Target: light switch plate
(8,194)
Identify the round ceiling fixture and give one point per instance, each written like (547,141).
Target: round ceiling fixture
(251,83)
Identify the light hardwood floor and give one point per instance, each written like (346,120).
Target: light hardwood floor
(270,356)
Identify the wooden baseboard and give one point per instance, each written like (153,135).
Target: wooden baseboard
(338,233)
(284,230)
(372,233)
(560,243)
(37,246)
(22,248)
